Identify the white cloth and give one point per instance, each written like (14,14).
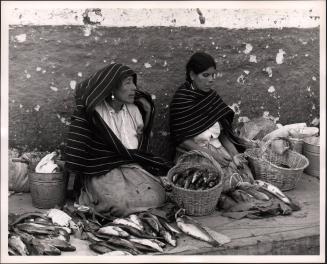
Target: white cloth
(210,136)
(127,124)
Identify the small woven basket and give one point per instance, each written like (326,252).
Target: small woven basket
(268,166)
(196,202)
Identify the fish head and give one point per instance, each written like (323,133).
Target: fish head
(180,213)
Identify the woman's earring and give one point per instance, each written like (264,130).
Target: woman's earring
(112,97)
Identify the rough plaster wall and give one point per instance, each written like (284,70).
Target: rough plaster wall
(261,72)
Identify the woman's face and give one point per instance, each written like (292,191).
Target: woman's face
(126,92)
(204,80)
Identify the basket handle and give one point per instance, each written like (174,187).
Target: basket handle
(266,145)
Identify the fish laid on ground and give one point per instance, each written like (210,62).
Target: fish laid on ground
(126,222)
(168,226)
(169,237)
(146,242)
(59,217)
(135,219)
(113,230)
(28,215)
(193,228)
(16,243)
(148,229)
(35,229)
(44,248)
(136,232)
(100,247)
(117,253)
(60,244)
(273,190)
(92,238)
(255,193)
(121,242)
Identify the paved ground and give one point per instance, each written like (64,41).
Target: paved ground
(297,234)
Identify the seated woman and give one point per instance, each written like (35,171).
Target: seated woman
(200,120)
(107,143)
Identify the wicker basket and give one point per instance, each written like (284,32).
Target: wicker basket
(196,202)
(267,166)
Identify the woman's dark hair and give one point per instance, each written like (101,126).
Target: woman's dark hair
(199,62)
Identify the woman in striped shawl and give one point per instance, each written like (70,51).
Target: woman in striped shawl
(107,144)
(200,120)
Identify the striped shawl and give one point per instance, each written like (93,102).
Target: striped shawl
(92,148)
(193,111)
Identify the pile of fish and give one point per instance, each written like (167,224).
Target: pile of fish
(40,234)
(196,179)
(138,233)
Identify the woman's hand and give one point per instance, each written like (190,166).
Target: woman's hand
(239,160)
(222,157)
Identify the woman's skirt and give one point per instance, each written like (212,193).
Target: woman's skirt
(122,191)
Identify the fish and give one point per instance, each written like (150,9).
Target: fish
(257,194)
(136,232)
(93,238)
(135,219)
(59,217)
(113,230)
(60,244)
(16,243)
(144,248)
(12,252)
(168,226)
(44,248)
(35,229)
(117,253)
(187,183)
(175,177)
(100,247)
(151,221)
(146,242)
(273,190)
(121,242)
(193,228)
(170,238)
(196,176)
(148,229)
(126,222)
(24,216)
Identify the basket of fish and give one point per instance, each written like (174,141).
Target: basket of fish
(196,183)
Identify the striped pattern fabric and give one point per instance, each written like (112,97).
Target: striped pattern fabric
(193,111)
(92,148)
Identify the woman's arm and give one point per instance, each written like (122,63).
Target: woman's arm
(189,144)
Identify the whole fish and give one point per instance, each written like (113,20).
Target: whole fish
(144,248)
(167,226)
(193,229)
(60,244)
(117,253)
(92,238)
(169,237)
(136,220)
(146,242)
(187,183)
(151,221)
(100,247)
(16,243)
(126,222)
(113,230)
(59,217)
(256,194)
(121,242)
(35,229)
(148,229)
(136,232)
(273,190)
(24,216)
(196,176)
(44,248)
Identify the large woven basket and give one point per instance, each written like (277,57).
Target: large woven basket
(268,166)
(196,202)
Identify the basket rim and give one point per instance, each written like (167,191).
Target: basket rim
(281,168)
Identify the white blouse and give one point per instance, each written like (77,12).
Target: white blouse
(210,136)
(127,124)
